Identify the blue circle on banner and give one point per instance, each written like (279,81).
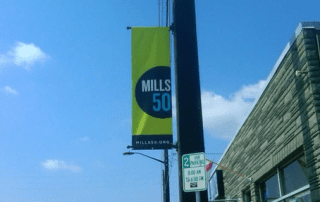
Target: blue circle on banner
(153,92)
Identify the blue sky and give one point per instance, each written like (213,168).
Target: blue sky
(65,91)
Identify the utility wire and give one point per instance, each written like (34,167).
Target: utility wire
(214,153)
(159,12)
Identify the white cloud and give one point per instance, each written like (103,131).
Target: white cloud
(9,90)
(22,55)
(223,117)
(54,164)
(252,91)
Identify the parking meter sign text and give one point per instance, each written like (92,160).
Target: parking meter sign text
(194,173)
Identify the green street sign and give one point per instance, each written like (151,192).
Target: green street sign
(194,172)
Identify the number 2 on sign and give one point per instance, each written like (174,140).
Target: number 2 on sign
(186,162)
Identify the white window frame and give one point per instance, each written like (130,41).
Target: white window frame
(302,189)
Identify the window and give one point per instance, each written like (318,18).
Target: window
(247,196)
(288,184)
(295,175)
(216,188)
(213,189)
(270,189)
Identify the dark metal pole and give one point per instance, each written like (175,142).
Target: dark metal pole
(163,187)
(166,177)
(166,162)
(189,115)
(167,13)
(165,172)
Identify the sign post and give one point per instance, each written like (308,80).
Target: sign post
(188,94)
(194,173)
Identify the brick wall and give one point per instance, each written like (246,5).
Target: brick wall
(284,122)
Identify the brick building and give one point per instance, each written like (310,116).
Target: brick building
(278,146)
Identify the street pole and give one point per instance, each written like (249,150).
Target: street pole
(163,187)
(166,190)
(166,162)
(165,172)
(188,96)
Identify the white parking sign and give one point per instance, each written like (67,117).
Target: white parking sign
(194,172)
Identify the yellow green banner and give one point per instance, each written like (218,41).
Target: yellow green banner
(151,88)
